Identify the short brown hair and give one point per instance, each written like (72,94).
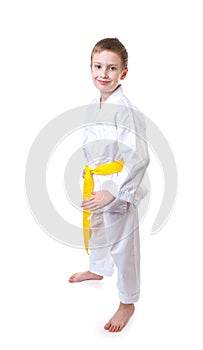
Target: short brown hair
(114,45)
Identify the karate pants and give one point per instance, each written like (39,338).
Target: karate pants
(115,241)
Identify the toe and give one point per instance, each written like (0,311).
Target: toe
(73,278)
(107,325)
(121,327)
(114,329)
(111,328)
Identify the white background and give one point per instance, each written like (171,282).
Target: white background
(45,49)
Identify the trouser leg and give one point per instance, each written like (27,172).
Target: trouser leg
(125,252)
(115,240)
(100,260)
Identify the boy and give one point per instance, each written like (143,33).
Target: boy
(114,146)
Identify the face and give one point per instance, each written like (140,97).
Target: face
(106,70)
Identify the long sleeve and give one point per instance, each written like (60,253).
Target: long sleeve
(133,148)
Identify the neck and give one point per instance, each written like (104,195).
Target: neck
(104,97)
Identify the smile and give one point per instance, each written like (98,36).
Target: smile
(103,82)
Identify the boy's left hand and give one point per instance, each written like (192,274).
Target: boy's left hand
(98,200)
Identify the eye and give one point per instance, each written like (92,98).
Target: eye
(97,66)
(112,68)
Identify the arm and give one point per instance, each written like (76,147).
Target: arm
(133,148)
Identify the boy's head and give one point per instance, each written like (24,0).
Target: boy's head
(109,61)
(113,45)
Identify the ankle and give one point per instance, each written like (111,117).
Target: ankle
(127,306)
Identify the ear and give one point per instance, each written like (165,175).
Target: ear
(124,73)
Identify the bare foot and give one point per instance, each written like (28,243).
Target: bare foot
(83,276)
(120,318)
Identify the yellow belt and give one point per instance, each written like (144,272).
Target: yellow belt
(104,169)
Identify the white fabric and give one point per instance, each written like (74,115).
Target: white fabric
(115,240)
(117,131)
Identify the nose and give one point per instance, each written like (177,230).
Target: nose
(104,72)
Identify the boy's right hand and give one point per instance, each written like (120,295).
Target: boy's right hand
(98,200)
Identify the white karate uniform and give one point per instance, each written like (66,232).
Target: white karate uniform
(117,131)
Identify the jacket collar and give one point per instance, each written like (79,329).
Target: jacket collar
(114,97)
